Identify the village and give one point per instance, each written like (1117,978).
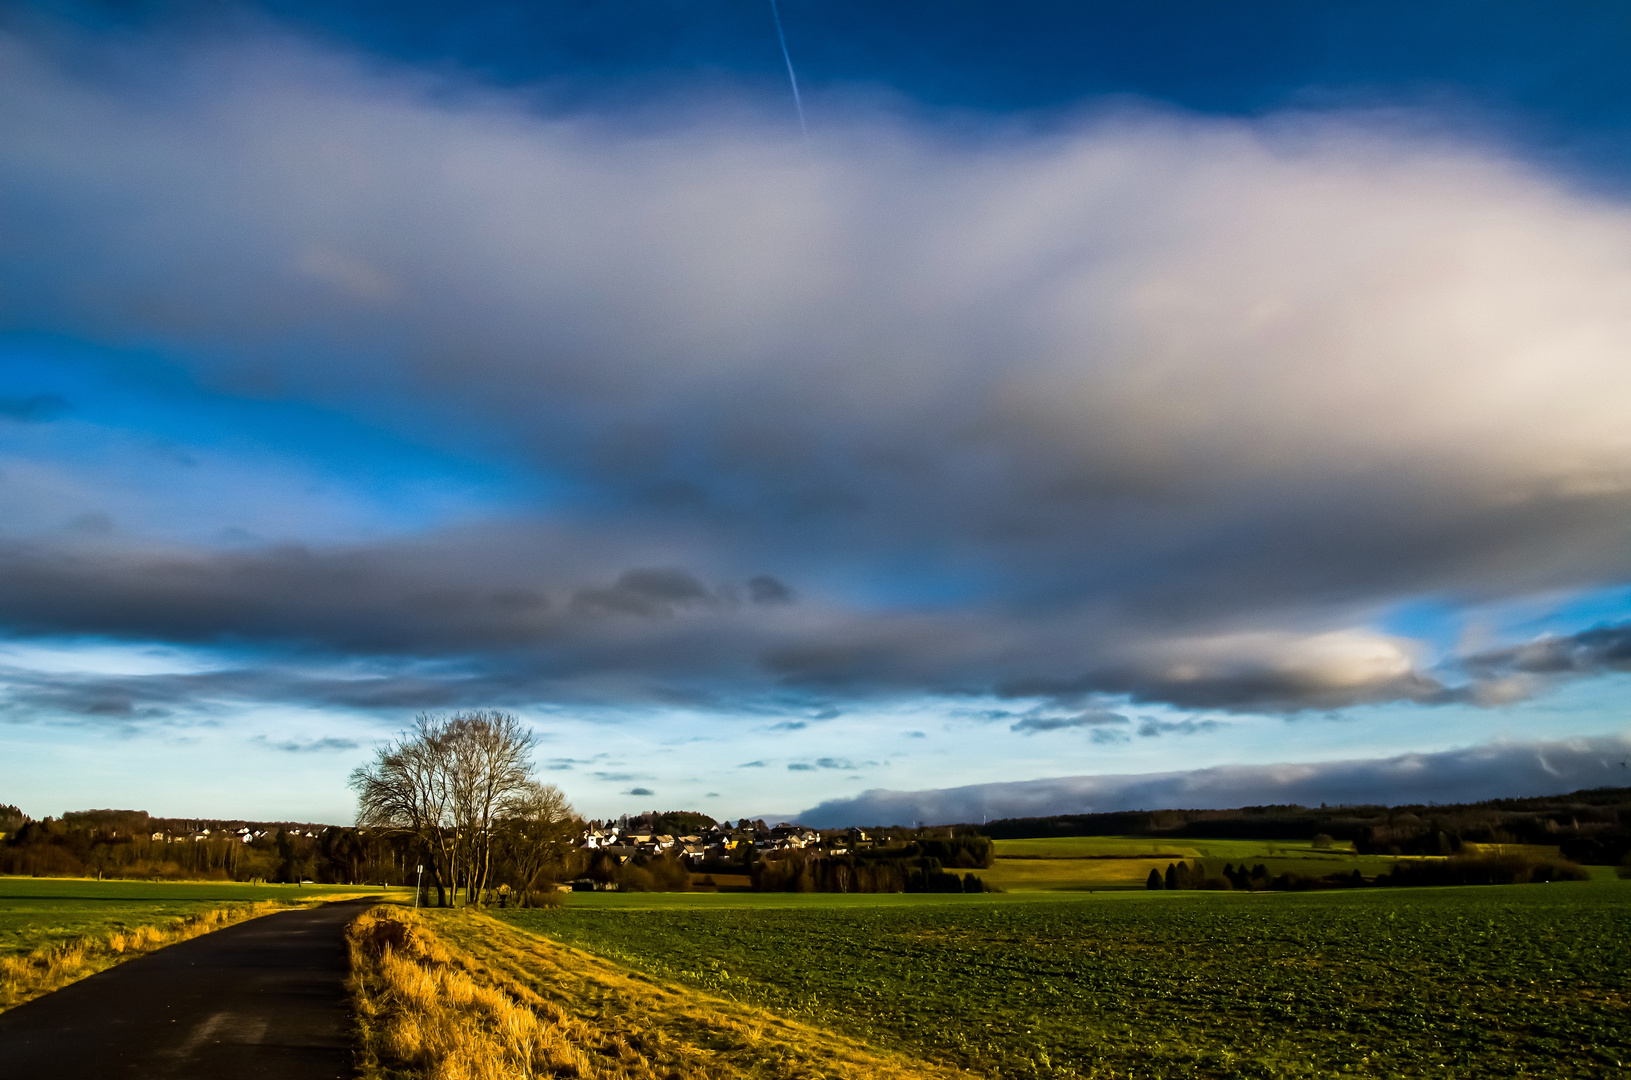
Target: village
(718,843)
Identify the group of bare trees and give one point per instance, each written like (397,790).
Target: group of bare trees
(462,787)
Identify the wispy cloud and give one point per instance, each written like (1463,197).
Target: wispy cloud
(1035,722)
(327,744)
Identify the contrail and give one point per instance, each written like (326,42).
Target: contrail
(798,102)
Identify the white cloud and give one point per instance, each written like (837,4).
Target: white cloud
(1166,406)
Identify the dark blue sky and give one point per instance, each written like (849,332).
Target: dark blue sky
(1098,388)
(1554,71)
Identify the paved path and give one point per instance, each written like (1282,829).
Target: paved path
(264,998)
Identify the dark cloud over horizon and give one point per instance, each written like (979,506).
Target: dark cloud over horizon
(1499,770)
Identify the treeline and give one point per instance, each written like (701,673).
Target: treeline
(103,843)
(923,864)
(638,873)
(1460,870)
(802,871)
(1592,826)
(928,863)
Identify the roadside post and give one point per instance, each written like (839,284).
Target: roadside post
(417,885)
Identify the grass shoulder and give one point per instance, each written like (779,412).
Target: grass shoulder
(459,990)
(56,931)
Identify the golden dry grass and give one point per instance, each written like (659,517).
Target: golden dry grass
(23,978)
(461,996)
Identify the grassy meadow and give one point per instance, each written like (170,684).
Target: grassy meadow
(37,913)
(1124,862)
(1524,980)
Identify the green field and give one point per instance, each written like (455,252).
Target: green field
(1525,980)
(47,911)
(1124,862)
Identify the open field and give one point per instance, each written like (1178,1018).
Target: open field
(1522,980)
(1124,862)
(39,913)
(459,994)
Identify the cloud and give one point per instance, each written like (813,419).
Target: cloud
(1147,405)
(639,791)
(1152,728)
(764,589)
(1035,722)
(1497,770)
(1595,651)
(801,766)
(645,592)
(328,744)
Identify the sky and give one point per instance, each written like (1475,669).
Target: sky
(1056,407)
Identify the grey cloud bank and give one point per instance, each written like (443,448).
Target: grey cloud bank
(1155,407)
(1499,770)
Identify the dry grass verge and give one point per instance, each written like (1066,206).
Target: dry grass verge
(24,978)
(461,996)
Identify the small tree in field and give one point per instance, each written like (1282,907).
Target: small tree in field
(1154,880)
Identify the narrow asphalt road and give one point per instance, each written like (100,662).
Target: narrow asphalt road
(264,998)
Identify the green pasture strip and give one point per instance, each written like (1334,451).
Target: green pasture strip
(1102,847)
(1500,981)
(47,911)
(1125,862)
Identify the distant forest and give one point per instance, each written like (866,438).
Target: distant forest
(133,844)
(1592,826)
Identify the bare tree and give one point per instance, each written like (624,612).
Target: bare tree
(446,783)
(536,833)
(490,766)
(406,790)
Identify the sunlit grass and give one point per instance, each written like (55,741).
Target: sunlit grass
(24,977)
(457,995)
(55,931)
(41,913)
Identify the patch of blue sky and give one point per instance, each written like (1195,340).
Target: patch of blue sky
(1449,629)
(189,766)
(190,462)
(1436,622)
(1574,709)
(1550,76)
(96,656)
(1577,611)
